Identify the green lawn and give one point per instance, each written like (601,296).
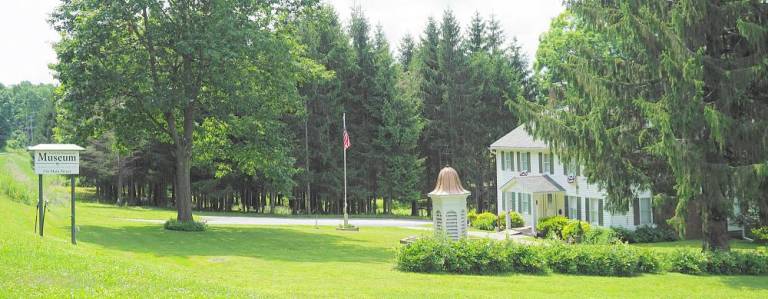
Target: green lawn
(119,258)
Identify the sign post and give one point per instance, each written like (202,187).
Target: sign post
(56,159)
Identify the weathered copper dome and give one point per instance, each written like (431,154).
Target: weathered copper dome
(448,183)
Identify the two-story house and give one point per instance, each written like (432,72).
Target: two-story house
(532,181)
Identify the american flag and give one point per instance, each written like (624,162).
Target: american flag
(347,143)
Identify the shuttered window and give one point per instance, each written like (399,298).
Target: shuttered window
(518,161)
(593,211)
(510,161)
(573,208)
(512,200)
(567,204)
(503,160)
(528,161)
(645,211)
(578,208)
(586,210)
(551,163)
(520,203)
(545,160)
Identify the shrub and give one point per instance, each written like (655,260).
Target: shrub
(192,226)
(687,261)
(574,231)
(604,260)
(649,234)
(600,236)
(624,234)
(552,226)
(471,216)
(485,221)
(526,258)
(761,234)
(737,262)
(423,255)
(515,220)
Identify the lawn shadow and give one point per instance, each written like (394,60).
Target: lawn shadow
(746,282)
(269,243)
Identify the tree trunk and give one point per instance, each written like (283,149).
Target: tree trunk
(183,190)
(714,217)
(414,208)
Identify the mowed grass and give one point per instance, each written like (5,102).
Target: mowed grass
(116,257)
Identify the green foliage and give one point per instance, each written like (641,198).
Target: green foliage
(600,236)
(485,221)
(552,226)
(650,234)
(423,255)
(515,220)
(624,234)
(575,230)
(469,256)
(687,261)
(627,88)
(472,216)
(761,234)
(188,226)
(604,260)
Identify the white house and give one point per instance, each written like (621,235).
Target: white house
(532,181)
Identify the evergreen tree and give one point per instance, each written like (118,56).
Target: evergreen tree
(476,35)
(679,82)
(428,70)
(405,51)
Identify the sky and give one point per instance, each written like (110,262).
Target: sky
(26,37)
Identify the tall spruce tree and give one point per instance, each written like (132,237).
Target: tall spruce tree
(406,51)
(680,82)
(428,69)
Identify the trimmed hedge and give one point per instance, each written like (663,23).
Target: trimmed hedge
(193,226)
(552,227)
(646,234)
(489,257)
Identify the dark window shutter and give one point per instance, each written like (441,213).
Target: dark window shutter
(510,161)
(518,161)
(513,201)
(541,168)
(586,209)
(504,201)
(636,210)
(565,168)
(578,208)
(551,163)
(520,203)
(600,212)
(528,159)
(567,199)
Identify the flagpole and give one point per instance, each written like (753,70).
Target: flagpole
(343,147)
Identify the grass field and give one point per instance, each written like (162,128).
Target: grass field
(119,258)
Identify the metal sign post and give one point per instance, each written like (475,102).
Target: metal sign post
(56,159)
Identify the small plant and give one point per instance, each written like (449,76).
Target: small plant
(574,231)
(552,226)
(471,216)
(600,236)
(687,261)
(761,234)
(624,234)
(485,221)
(515,220)
(192,226)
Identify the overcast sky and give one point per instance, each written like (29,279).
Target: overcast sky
(26,37)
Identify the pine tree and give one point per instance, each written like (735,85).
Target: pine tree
(476,35)
(406,51)
(432,110)
(680,82)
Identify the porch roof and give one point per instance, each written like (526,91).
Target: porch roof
(534,184)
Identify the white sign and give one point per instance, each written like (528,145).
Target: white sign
(57,162)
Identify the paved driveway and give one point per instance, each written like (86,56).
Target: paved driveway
(362,222)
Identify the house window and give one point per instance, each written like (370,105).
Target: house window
(525,162)
(547,164)
(573,210)
(645,210)
(510,163)
(503,158)
(526,203)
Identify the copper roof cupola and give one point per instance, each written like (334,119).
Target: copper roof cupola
(449,205)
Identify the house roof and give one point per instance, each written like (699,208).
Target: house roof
(519,138)
(534,184)
(55,147)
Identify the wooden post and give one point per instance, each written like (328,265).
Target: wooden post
(40,208)
(74,230)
